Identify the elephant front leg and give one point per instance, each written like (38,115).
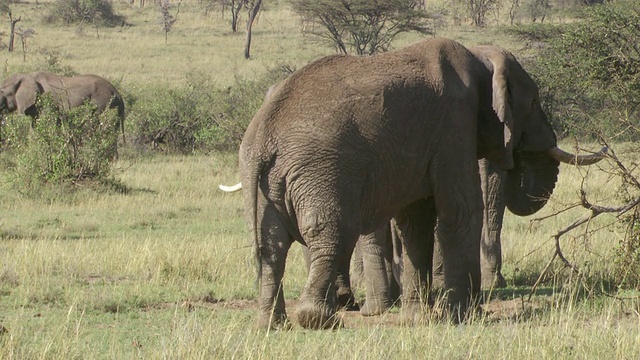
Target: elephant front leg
(415,228)
(272,255)
(493,180)
(459,231)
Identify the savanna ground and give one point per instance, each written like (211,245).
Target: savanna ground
(165,270)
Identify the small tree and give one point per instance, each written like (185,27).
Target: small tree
(538,9)
(362,26)
(12,29)
(24,35)
(478,10)
(253,12)
(166,18)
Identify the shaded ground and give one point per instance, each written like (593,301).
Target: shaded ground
(494,311)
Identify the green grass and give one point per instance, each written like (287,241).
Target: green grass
(165,270)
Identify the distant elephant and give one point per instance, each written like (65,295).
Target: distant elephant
(346,143)
(18,93)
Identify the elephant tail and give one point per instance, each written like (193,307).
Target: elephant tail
(121,117)
(252,187)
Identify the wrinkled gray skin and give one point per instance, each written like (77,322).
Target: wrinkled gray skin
(493,180)
(18,93)
(346,143)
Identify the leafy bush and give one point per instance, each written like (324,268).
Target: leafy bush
(62,147)
(626,266)
(97,12)
(199,117)
(589,72)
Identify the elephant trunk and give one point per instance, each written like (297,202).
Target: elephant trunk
(530,183)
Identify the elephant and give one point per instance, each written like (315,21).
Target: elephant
(347,143)
(18,93)
(495,201)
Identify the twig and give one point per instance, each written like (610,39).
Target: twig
(593,212)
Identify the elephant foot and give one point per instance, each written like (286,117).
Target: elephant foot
(437,282)
(346,300)
(458,312)
(315,316)
(373,308)
(496,281)
(274,321)
(413,314)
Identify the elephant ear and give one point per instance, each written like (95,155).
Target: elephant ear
(501,102)
(27,88)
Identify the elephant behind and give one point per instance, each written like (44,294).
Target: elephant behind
(18,92)
(347,143)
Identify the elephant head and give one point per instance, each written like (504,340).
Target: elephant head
(532,156)
(18,93)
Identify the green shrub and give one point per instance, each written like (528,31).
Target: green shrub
(200,116)
(626,266)
(97,12)
(589,72)
(62,147)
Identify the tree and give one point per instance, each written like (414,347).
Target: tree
(478,10)
(590,72)
(362,26)
(166,18)
(253,12)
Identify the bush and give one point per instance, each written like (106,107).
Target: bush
(589,72)
(199,117)
(626,266)
(97,12)
(62,147)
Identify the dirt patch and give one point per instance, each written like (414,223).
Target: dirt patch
(493,311)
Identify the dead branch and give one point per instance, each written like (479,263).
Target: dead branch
(593,212)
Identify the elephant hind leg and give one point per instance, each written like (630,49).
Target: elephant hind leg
(415,228)
(272,254)
(330,243)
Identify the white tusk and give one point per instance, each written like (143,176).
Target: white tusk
(573,159)
(232,188)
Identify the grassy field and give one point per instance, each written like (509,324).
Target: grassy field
(166,270)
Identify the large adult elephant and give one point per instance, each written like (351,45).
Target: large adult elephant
(346,143)
(376,259)
(18,92)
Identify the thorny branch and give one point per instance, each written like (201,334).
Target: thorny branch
(593,212)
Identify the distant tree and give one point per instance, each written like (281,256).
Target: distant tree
(478,9)
(363,27)
(253,7)
(538,9)
(24,35)
(83,11)
(235,6)
(12,30)
(166,18)
(513,9)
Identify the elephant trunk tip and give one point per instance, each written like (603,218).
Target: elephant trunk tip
(574,159)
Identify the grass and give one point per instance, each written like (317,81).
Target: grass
(165,270)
